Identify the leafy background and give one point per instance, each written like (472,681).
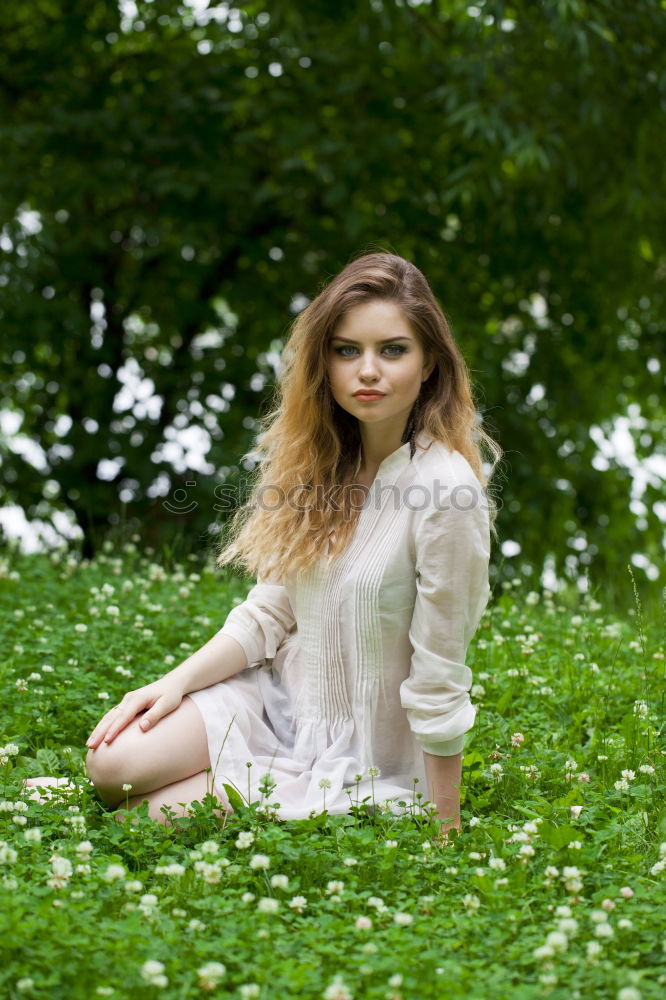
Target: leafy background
(179,179)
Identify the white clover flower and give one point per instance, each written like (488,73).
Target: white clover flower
(209,871)
(403,919)
(80,627)
(471,902)
(334,886)
(114,873)
(658,867)
(558,941)
(562,911)
(244,839)
(628,775)
(7,854)
(210,974)
(350,862)
(646,769)
(298,903)
(377,903)
(174,869)
(395,981)
(259,861)
(622,785)
(209,847)
(363,923)
(133,886)
(249,991)
(568,926)
(527,851)
(268,905)
(19,820)
(152,972)
(25,984)
(248,897)
(641,709)
(279,881)
(625,924)
(391,843)
(604,931)
(629,993)
(497,864)
(33,836)
(337,990)
(593,949)
(61,867)
(84,849)
(544,951)
(497,771)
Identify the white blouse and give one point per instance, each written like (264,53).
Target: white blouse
(359,663)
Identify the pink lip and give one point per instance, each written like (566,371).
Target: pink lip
(369,395)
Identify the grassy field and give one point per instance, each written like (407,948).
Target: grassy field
(556,886)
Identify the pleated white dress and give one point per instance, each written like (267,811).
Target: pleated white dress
(359,662)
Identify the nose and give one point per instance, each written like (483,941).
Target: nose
(368,370)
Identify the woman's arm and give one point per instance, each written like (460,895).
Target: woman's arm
(221,657)
(443,776)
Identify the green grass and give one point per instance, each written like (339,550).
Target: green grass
(554,888)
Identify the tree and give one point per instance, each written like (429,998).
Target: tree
(178,183)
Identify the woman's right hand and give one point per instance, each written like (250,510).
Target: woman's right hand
(153,700)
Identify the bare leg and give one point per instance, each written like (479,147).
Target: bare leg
(176,748)
(177,796)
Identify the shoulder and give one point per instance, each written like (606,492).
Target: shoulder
(447,499)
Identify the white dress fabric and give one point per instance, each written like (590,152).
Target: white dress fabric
(359,663)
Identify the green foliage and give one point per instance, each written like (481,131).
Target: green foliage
(554,887)
(196,176)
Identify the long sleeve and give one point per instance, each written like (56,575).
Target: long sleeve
(452,553)
(261,622)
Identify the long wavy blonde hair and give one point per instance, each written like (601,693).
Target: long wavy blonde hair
(308,442)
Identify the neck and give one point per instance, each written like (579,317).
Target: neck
(376,445)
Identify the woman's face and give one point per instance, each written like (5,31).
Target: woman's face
(375,348)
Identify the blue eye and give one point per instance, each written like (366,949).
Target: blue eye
(395,350)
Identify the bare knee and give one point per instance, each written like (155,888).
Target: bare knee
(107,768)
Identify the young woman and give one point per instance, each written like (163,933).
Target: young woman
(368,529)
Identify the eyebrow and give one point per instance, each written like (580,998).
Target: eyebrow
(388,340)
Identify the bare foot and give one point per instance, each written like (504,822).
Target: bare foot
(43,788)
